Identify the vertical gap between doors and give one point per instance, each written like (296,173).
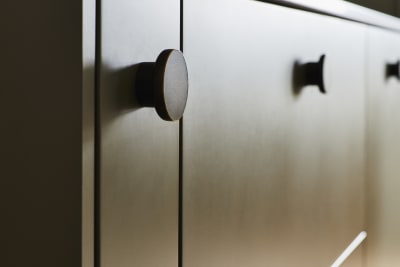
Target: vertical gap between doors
(180,209)
(97,136)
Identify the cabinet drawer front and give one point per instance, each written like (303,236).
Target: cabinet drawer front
(272,176)
(138,152)
(383,150)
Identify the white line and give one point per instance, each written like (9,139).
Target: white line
(353,245)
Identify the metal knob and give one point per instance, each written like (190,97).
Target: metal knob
(313,74)
(393,70)
(163,84)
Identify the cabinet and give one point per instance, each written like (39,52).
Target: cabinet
(383,149)
(272,175)
(259,172)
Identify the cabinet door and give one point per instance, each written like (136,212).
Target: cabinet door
(383,150)
(138,152)
(272,176)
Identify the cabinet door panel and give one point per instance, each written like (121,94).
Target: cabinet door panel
(138,152)
(271,176)
(383,150)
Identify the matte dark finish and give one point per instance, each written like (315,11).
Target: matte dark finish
(393,70)
(313,74)
(164,84)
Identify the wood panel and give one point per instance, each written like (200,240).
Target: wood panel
(138,152)
(272,175)
(383,150)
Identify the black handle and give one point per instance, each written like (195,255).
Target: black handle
(164,84)
(313,74)
(393,70)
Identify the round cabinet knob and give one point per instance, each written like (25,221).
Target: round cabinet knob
(313,74)
(393,70)
(163,84)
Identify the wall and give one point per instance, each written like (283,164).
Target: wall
(391,7)
(41,133)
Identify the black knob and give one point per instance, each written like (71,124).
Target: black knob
(163,84)
(313,74)
(393,70)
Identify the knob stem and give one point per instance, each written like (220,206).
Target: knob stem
(313,74)
(393,70)
(144,84)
